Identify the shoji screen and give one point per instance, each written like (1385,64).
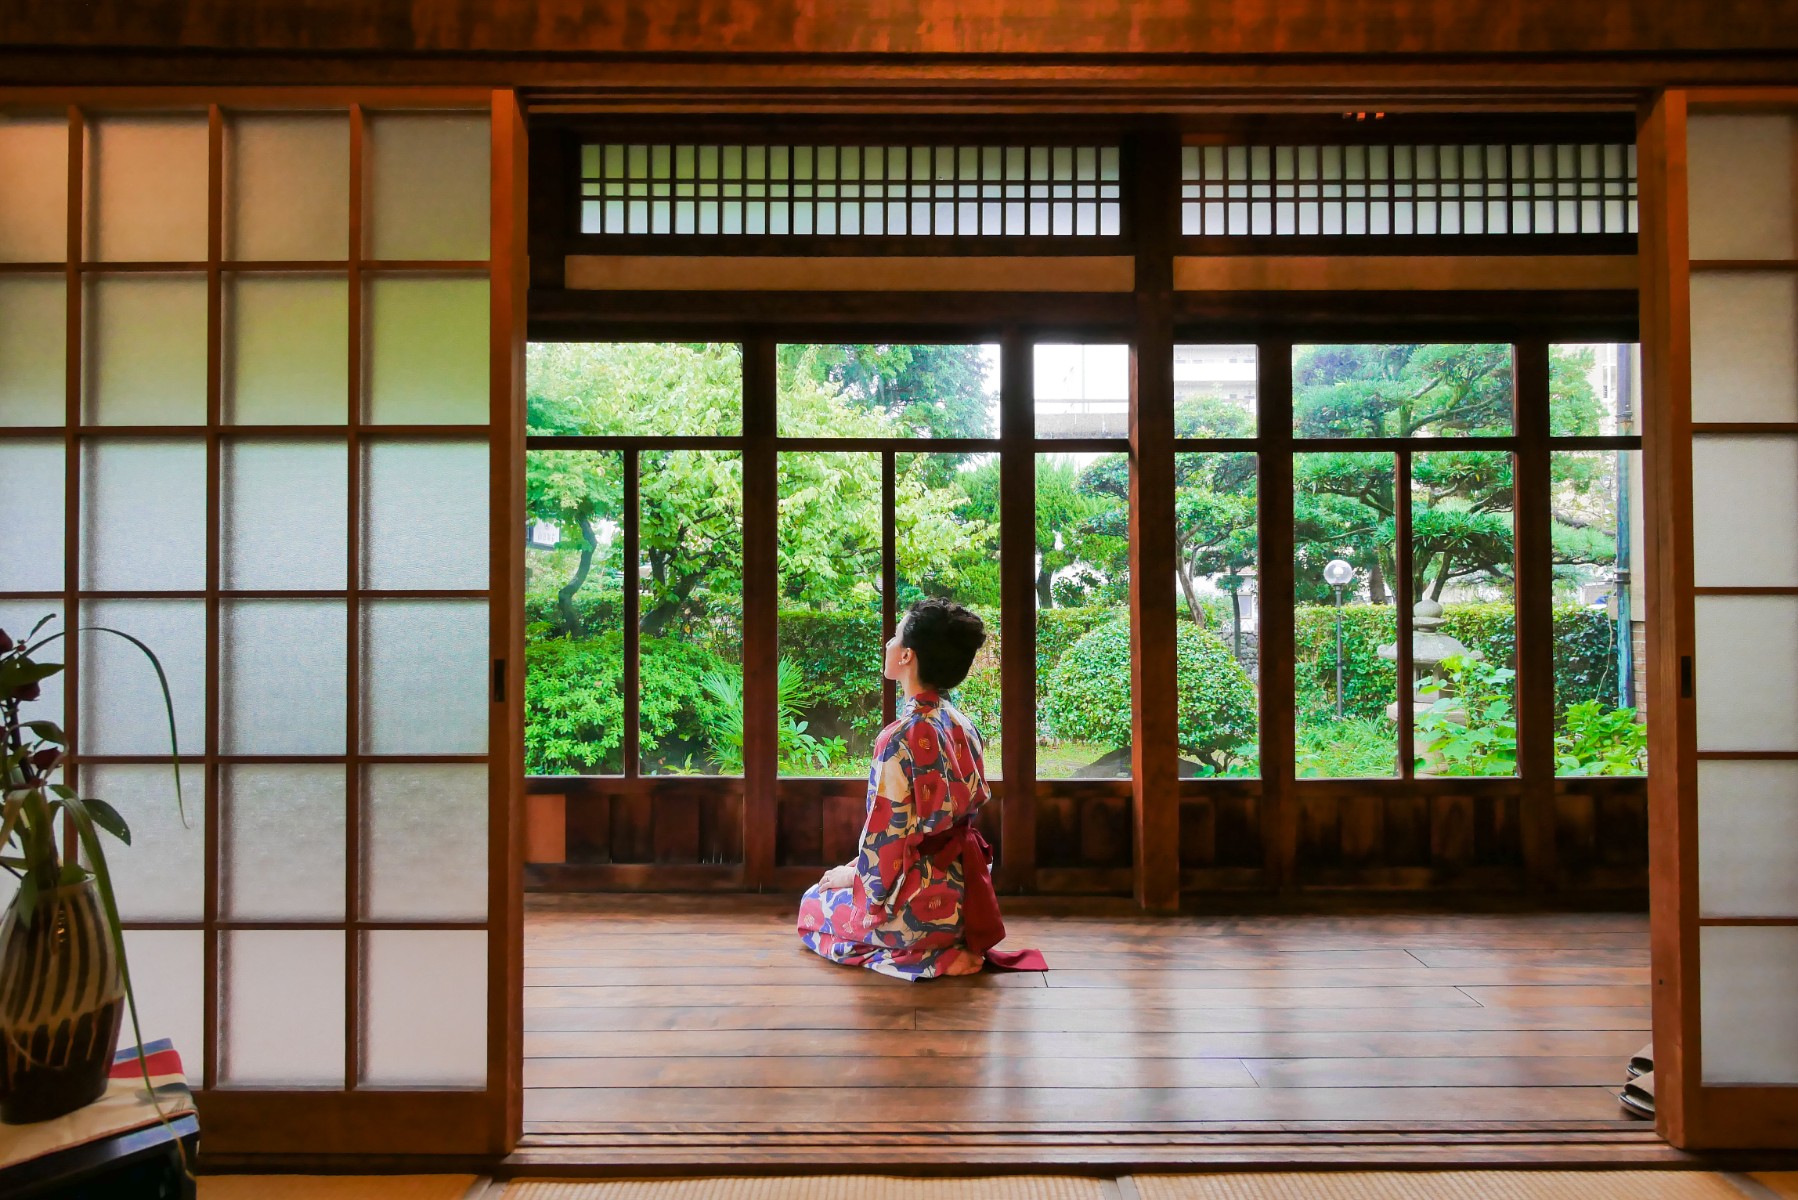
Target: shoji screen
(1721,314)
(245,416)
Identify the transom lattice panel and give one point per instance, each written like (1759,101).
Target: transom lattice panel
(862,190)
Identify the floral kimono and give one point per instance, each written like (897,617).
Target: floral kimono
(922,904)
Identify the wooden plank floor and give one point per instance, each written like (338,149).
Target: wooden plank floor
(703,1017)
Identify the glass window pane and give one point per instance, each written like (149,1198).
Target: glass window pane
(18,618)
(149,188)
(424,677)
(33,350)
(1214,391)
(122,709)
(425,847)
(424,515)
(168,973)
(1744,512)
(287,340)
(691,611)
(1747,691)
(144,361)
(1747,977)
(1217,565)
(1744,346)
(281,1016)
(889,391)
(830,610)
(660,388)
(946,544)
(1600,612)
(287,186)
(1739,169)
(143,515)
(1083,687)
(574,613)
(424,1008)
(161,876)
(1747,826)
(1595,389)
(1464,624)
(284,515)
(1401,391)
(34,204)
(282,670)
(427,350)
(282,842)
(1082,391)
(429,185)
(1343,512)
(31,497)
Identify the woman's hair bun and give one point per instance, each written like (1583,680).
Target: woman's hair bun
(945,637)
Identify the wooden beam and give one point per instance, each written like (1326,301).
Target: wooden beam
(771,273)
(1382,272)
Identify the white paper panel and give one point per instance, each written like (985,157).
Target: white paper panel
(161,875)
(1747,827)
(1748,977)
(430,185)
(424,677)
(1745,512)
(144,361)
(169,975)
(33,350)
(425,847)
(1747,688)
(283,842)
(281,1020)
(287,346)
(427,350)
(285,515)
(34,202)
(18,617)
(424,512)
(143,515)
(31,512)
(1739,185)
(287,186)
(425,1008)
(122,710)
(282,676)
(149,188)
(1744,346)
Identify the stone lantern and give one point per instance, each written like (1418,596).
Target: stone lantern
(1429,649)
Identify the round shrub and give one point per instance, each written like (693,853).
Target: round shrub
(1087,695)
(574,706)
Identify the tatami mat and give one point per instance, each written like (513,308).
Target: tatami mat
(1441,1185)
(1780,1183)
(836,1187)
(335,1187)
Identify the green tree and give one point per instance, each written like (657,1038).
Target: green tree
(929,390)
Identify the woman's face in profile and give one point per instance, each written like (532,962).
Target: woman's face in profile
(898,657)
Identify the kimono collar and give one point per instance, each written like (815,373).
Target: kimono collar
(924,699)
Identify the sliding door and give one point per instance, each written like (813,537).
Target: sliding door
(255,410)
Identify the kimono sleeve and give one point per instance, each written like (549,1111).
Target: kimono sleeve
(913,773)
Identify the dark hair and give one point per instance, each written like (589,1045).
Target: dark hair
(945,637)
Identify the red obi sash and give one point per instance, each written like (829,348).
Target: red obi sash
(982,926)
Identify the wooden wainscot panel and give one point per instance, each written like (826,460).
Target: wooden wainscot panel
(676,825)
(1407,830)
(632,831)
(1394,273)
(721,828)
(363,1122)
(1451,832)
(772,273)
(546,827)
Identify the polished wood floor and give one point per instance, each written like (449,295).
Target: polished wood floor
(703,1018)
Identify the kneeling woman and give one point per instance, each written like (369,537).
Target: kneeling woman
(918,900)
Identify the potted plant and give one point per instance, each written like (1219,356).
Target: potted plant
(64,985)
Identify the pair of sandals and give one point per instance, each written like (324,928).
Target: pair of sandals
(1637,1096)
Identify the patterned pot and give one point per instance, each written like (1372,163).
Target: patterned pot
(61,1005)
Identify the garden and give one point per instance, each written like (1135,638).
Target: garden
(689,586)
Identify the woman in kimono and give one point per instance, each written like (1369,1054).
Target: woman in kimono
(918,901)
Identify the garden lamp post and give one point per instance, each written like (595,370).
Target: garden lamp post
(1338,574)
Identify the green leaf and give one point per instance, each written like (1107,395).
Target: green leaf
(49,731)
(16,672)
(107,817)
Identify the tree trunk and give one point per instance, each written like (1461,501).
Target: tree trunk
(1045,579)
(1376,583)
(1236,622)
(571,619)
(1192,596)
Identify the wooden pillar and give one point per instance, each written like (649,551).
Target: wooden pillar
(1534,614)
(761,650)
(1154,742)
(1017,612)
(1279,808)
